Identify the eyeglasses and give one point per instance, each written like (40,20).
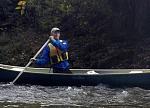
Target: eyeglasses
(56,32)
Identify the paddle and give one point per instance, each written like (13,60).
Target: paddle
(30,62)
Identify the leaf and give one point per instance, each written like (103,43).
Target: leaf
(21,3)
(18,8)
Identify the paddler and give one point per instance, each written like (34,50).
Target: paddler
(55,53)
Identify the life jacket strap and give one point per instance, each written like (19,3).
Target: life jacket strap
(57,59)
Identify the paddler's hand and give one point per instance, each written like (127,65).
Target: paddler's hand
(33,59)
(51,38)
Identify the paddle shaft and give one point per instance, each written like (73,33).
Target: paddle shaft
(30,62)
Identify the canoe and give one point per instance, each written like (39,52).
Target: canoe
(79,77)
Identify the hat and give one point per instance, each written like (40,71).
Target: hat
(55,29)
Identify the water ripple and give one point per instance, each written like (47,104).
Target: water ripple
(101,96)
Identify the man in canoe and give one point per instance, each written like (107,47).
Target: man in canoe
(55,53)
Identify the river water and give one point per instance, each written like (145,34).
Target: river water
(12,96)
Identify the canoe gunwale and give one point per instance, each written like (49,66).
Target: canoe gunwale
(99,71)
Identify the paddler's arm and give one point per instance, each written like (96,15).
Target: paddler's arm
(44,58)
(63,46)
